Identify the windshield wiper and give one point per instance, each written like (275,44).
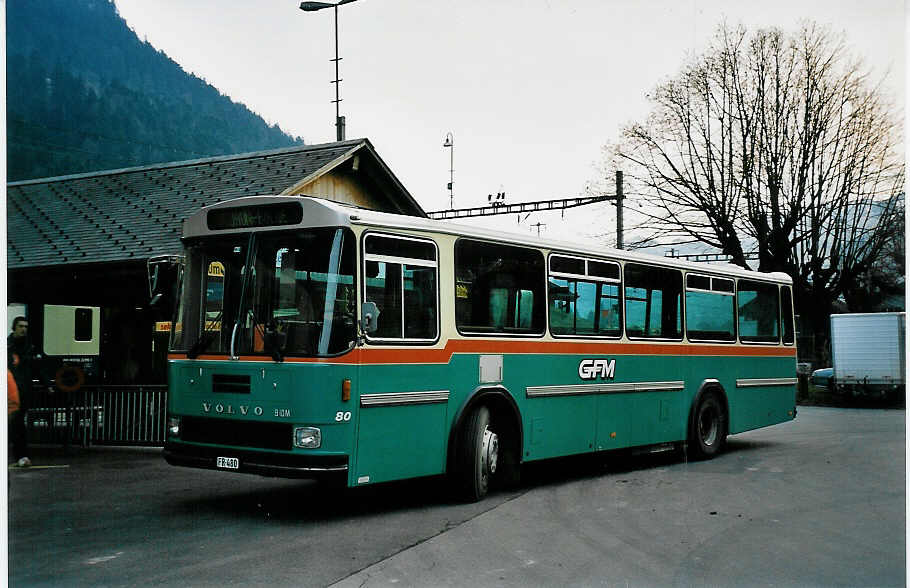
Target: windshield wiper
(203,342)
(272,339)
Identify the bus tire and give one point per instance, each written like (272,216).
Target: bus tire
(708,427)
(479,455)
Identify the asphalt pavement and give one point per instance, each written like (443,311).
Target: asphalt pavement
(816,502)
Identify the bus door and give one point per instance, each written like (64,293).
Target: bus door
(403,399)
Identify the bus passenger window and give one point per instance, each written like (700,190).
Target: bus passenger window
(786,313)
(499,289)
(653,302)
(584,297)
(401,276)
(759,312)
(710,312)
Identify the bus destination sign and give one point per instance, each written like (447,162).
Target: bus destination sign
(262,215)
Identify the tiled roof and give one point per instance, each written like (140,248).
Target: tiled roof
(136,213)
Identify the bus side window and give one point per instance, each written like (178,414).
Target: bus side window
(499,289)
(710,309)
(786,313)
(653,302)
(401,275)
(759,312)
(584,297)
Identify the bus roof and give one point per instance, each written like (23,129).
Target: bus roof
(320,212)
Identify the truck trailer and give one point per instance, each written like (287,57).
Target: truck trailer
(867,351)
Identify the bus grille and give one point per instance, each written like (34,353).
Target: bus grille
(237,433)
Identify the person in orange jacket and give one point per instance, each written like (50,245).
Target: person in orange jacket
(13,417)
(20,355)
(12,395)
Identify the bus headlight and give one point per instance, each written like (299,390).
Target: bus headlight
(173,426)
(307,437)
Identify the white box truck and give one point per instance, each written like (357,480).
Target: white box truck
(867,351)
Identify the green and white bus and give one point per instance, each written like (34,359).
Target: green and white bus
(318,339)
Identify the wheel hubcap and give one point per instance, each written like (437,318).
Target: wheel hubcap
(489,452)
(707,426)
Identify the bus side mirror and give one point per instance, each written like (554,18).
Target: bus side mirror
(369,317)
(163,274)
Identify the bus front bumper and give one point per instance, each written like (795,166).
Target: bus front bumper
(281,465)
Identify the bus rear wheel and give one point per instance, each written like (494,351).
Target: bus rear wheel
(708,429)
(479,455)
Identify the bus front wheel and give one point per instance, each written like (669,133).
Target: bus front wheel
(708,428)
(479,455)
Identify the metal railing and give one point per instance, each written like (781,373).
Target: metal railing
(99,415)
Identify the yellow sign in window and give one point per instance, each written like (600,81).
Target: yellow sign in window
(216,269)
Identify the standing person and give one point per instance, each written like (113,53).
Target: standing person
(12,394)
(20,356)
(12,406)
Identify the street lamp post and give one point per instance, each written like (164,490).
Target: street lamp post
(450,143)
(313,7)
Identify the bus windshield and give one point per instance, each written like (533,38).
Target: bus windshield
(277,293)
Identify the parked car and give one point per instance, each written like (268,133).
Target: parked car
(823,377)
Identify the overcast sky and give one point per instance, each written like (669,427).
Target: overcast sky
(531,89)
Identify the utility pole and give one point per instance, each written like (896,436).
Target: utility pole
(450,144)
(339,120)
(619,198)
(313,7)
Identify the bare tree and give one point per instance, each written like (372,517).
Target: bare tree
(777,144)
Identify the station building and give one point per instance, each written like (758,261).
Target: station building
(86,239)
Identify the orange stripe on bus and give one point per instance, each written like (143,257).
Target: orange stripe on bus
(399,355)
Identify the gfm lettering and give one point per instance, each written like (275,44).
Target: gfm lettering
(592,369)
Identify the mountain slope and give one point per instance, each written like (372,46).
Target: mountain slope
(85,93)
